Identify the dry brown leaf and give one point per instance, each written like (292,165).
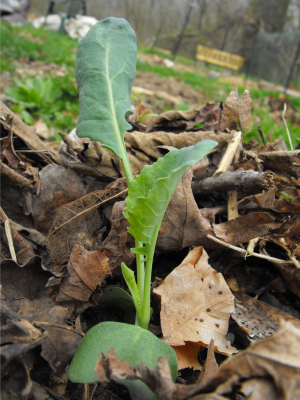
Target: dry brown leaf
(58,186)
(23,247)
(263,200)
(253,321)
(187,356)
(118,243)
(236,113)
(25,133)
(24,291)
(210,366)
(273,363)
(290,275)
(196,304)
(80,221)
(86,270)
(158,380)
(272,313)
(183,224)
(172,115)
(245,228)
(150,143)
(10,160)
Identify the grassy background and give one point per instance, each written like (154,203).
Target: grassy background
(55,98)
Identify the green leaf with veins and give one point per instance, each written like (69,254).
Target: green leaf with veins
(105,71)
(150,192)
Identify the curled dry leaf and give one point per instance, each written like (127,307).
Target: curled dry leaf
(24,132)
(159,380)
(272,363)
(210,366)
(236,113)
(13,166)
(196,304)
(172,115)
(149,144)
(86,270)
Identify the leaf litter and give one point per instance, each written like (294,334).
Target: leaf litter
(226,289)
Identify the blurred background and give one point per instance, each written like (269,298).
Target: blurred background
(267,31)
(260,38)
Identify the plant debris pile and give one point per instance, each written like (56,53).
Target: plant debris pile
(226,277)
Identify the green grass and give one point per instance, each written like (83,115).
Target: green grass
(60,108)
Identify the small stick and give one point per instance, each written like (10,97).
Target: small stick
(32,151)
(261,135)
(230,246)
(9,235)
(286,126)
(229,154)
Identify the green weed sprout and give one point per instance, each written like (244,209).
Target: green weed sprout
(105,71)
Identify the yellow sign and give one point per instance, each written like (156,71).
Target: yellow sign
(219,57)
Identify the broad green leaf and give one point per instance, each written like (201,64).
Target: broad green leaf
(117,297)
(131,343)
(105,71)
(151,191)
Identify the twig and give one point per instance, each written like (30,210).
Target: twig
(230,246)
(32,151)
(229,153)
(8,235)
(223,167)
(67,328)
(286,126)
(261,135)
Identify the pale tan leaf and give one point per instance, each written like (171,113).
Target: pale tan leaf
(196,304)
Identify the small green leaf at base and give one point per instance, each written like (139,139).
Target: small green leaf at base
(131,343)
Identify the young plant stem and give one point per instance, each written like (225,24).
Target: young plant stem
(147,286)
(140,265)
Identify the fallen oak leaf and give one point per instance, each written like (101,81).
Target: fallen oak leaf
(196,304)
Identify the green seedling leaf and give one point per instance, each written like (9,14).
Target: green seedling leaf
(151,191)
(131,343)
(118,297)
(105,71)
(128,275)
(139,250)
(146,116)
